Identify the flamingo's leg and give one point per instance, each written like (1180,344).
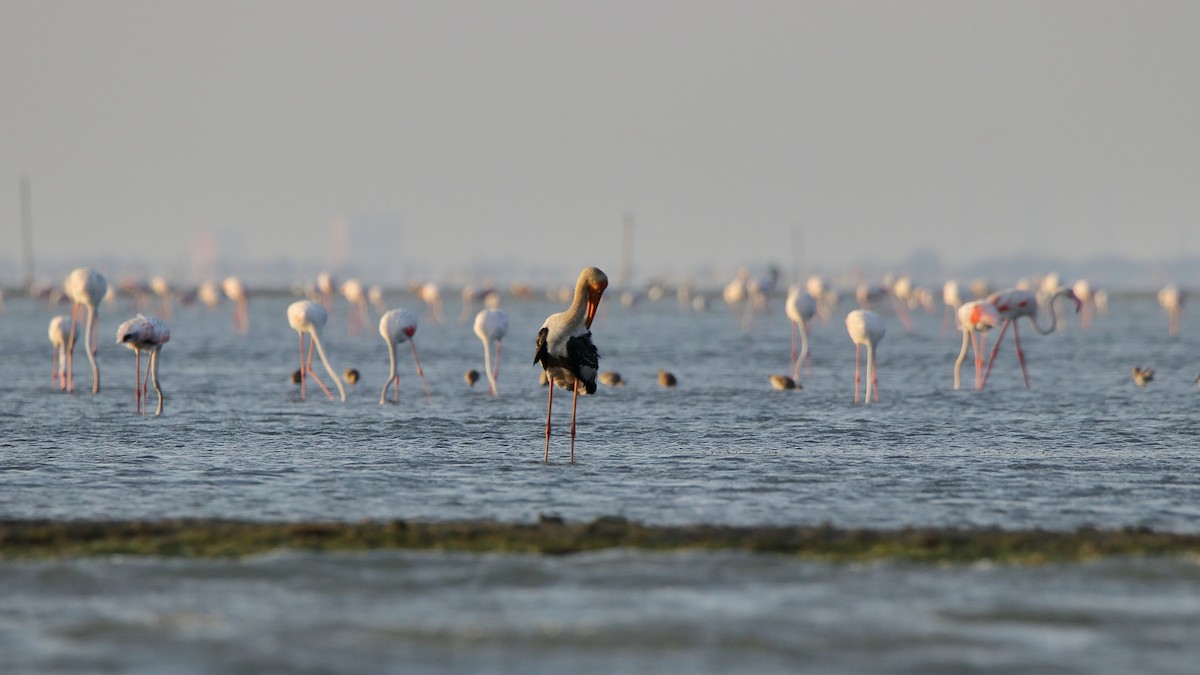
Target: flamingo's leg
(996,349)
(1020,354)
(857,351)
(303,368)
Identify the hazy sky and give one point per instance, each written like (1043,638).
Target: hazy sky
(517,131)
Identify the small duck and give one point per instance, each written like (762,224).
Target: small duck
(666,379)
(471,377)
(611,378)
(1141,376)
(783,382)
(297,376)
(351,376)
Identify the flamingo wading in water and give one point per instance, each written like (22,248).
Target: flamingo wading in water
(1014,304)
(565,348)
(58,339)
(800,308)
(398,326)
(84,287)
(308,317)
(491,325)
(144,335)
(865,328)
(976,318)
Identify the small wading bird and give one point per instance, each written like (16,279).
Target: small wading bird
(865,328)
(1014,304)
(84,287)
(667,380)
(143,334)
(611,378)
(491,325)
(565,349)
(975,318)
(782,382)
(396,327)
(308,318)
(471,377)
(1142,376)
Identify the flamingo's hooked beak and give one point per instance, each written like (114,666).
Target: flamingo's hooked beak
(593,301)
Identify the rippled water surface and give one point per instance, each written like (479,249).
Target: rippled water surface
(1083,446)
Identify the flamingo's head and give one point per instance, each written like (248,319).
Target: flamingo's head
(983,315)
(594,282)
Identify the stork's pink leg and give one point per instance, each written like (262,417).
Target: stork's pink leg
(549,407)
(574,401)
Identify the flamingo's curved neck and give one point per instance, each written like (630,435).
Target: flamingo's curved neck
(1033,318)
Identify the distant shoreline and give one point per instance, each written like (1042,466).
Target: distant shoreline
(204,538)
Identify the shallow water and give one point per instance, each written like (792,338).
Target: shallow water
(1083,446)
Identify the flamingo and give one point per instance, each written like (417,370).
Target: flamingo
(208,293)
(1083,291)
(1171,299)
(142,334)
(491,325)
(235,290)
(326,288)
(306,316)
(431,295)
(865,328)
(565,348)
(58,339)
(868,295)
(800,308)
(976,318)
(356,295)
(952,298)
(398,326)
(84,287)
(1014,304)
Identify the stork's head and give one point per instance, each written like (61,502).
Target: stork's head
(594,282)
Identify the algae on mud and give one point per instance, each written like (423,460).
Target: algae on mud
(33,539)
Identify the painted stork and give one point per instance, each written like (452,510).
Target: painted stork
(565,349)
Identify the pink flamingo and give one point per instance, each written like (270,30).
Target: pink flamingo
(142,334)
(800,308)
(976,318)
(1171,299)
(398,326)
(491,325)
(235,290)
(84,287)
(308,317)
(865,328)
(58,339)
(1014,304)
